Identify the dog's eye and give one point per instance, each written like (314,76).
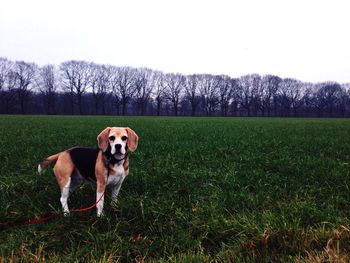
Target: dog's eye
(124,138)
(111,138)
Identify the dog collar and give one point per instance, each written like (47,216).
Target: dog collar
(110,159)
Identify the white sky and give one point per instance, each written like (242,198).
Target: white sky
(304,39)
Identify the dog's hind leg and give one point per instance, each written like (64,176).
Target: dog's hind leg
(63,170)
(64,196)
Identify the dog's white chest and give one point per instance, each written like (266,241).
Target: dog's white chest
(116,175)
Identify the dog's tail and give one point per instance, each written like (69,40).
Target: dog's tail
(45,163)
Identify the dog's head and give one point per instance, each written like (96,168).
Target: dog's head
(117,140)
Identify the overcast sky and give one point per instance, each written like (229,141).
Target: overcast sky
(304,39)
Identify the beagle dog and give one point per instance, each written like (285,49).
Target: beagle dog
(106,165)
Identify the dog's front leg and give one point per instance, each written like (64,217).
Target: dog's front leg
(116,189)
(101,188)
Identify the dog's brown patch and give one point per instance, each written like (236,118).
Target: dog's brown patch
(63,169)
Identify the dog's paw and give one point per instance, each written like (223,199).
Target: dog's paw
(101,214)
(66,213)
(114,204)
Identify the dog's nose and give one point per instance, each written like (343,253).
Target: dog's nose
(118,147)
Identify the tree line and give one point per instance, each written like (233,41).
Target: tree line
(80,87)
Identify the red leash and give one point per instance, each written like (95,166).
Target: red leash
(47,216)
(44,217)
(91,206)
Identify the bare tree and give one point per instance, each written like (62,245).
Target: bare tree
(24,74)
(192,92)
(10,92)
(209,91)
(270,85)
(7,84)
(173,87)
(101,86)
(257,94)
(248,91)
(235,95)
(330,95)
(48,85)
(144,80)
(307,99)
(158,90)
(76,76)
(225,93)
(114,82)
(346,99)
(290,91)
(123,86)
(313,99)
(5,67)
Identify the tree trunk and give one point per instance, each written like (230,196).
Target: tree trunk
(80,104)
(72,102)
(96,106)
(175,109)
(158,106)
(124,107)
(193,109)
(142,108)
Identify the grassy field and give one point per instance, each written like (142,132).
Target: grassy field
(199,190)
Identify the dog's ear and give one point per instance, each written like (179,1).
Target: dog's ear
(102,139)
(132,139)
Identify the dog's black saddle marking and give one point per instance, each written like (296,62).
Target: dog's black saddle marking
(84,160)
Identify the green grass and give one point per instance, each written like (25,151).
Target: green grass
(199,190)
